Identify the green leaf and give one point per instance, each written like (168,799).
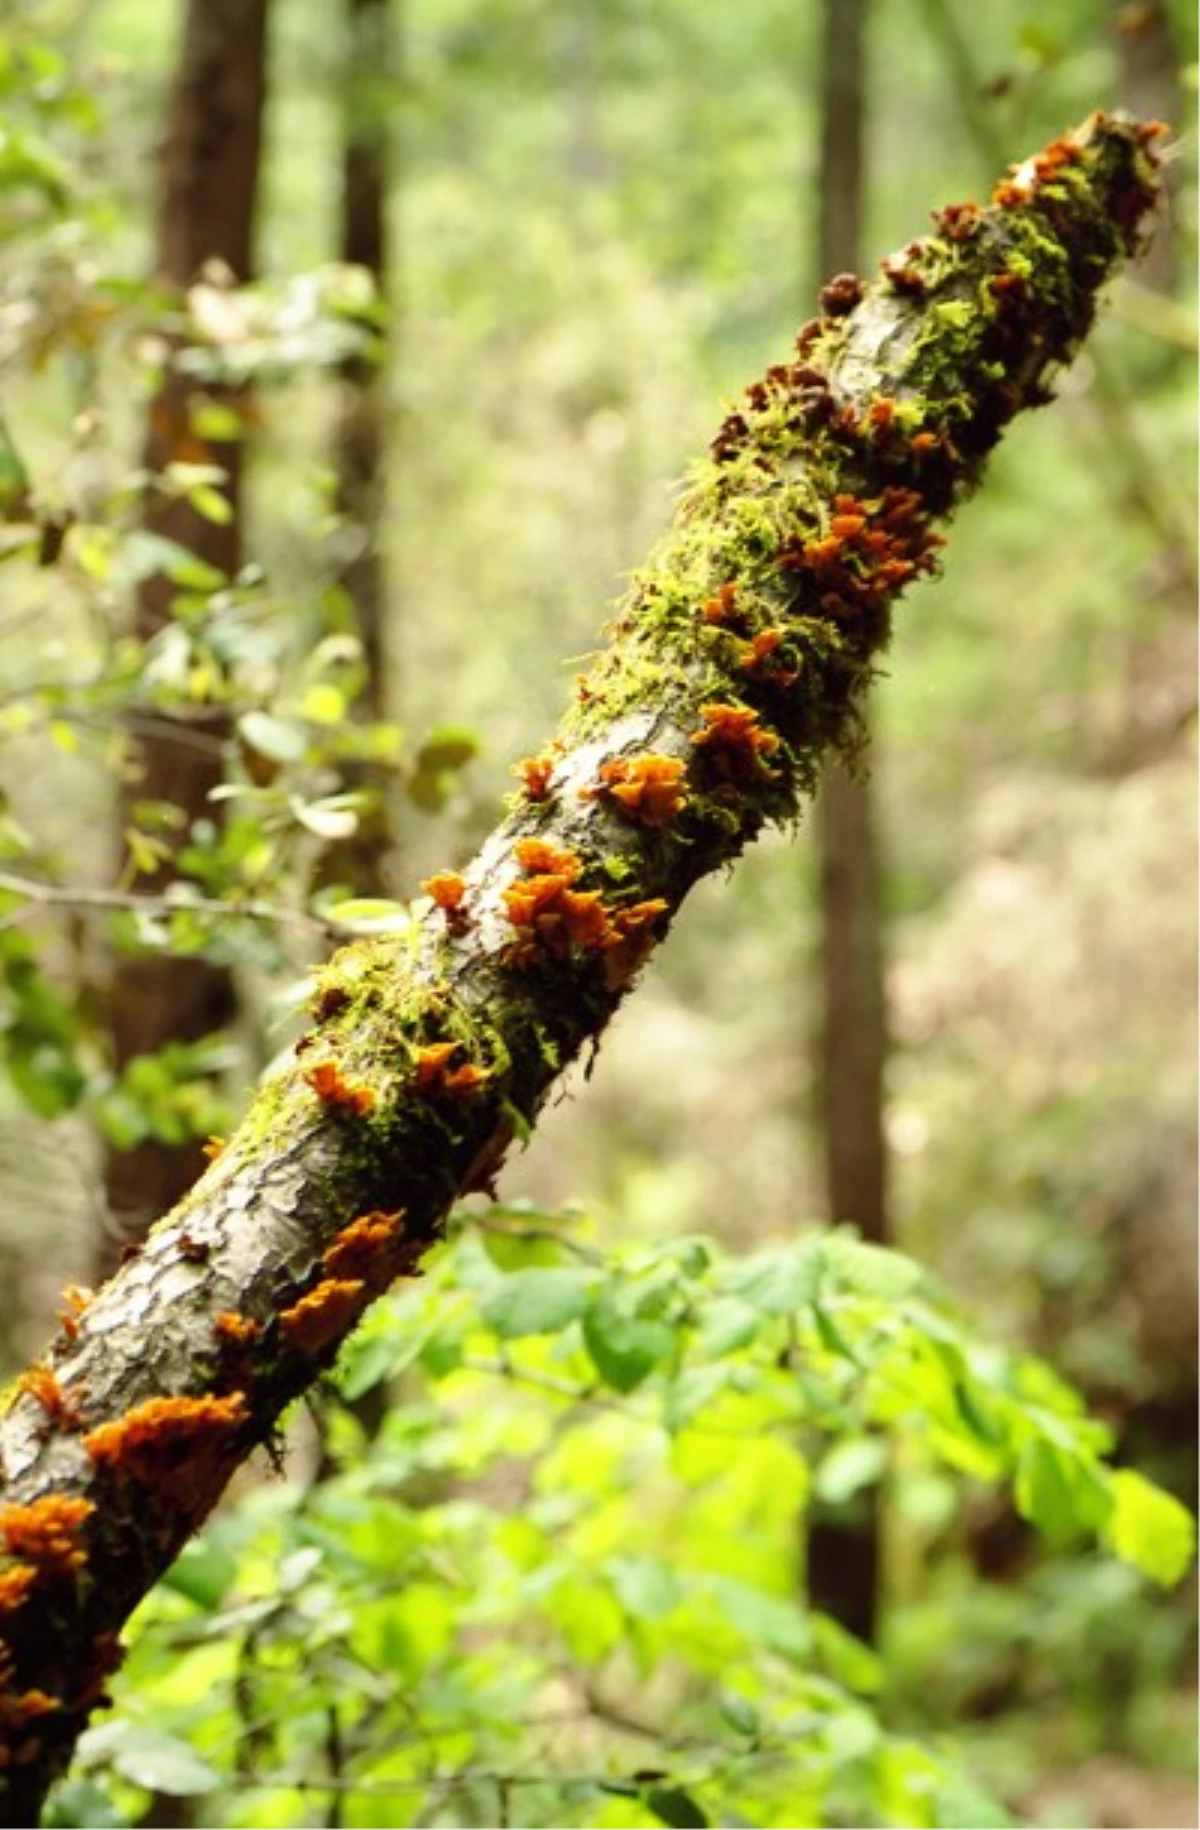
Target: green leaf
(871,1270)
(517,1252)
(366,1360)
(284,740)
(324,703)
(80,1804)
(146,554)
(210,504)
(212,420)
(46,1078)
(149,1757)
(624,1348)
(646,1588)
(538,1302)
(1149,1528)
(442,1353)
(782,1280)
(329,819)
(781,1626)
(727,1323)
(373,914)
(957,1801)
(741,1715)
(1058,1492)
(451,746)
(437,762)
(694,1389)
(202,1573)
(852,1463)
(846,1659)
(671,1805)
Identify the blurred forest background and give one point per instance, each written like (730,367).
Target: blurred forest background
(296,569)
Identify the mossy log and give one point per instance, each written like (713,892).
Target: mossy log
(736,662)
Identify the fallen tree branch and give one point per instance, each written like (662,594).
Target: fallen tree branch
(737,660)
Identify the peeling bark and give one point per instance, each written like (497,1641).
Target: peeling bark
(736,661)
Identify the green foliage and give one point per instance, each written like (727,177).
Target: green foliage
(564,1571)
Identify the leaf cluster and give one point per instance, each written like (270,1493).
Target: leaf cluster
(586,1598)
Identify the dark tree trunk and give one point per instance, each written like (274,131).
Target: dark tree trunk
(362,455)
(843,1547)
(210,171)
(362,431)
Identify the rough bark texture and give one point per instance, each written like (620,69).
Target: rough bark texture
(209,187)
(735,662)
(843,1547)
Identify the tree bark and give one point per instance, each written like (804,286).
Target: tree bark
(361,441)
(210,168)
(843,1547)
(738,659)
(361,436)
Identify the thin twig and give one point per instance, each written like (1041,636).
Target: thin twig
(67,896)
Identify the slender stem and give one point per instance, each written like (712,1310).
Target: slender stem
(73,896)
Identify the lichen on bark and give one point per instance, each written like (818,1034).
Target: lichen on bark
(736,661)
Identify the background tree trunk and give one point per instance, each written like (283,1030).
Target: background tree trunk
(210,172)
(362,437)
(843,1546)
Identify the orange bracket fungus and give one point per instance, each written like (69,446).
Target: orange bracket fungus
(436,1074)
(733,739)
(235,1330)
(735,664)
(535,773)
(648,789)
(45,1533)
(60,1404)
(333,1089)
(449,894)
(324,1315)
(365,1251)
(164,1434)
(77,1298)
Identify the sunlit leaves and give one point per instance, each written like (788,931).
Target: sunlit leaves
(172,1096)
(148,1757)
(439,760)
(39,1044)
(624,1346)
(622,1528)
(81,1804)
(264,332)
(538,1302)
(1149,1528)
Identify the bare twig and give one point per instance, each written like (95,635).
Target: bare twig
(75,896)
